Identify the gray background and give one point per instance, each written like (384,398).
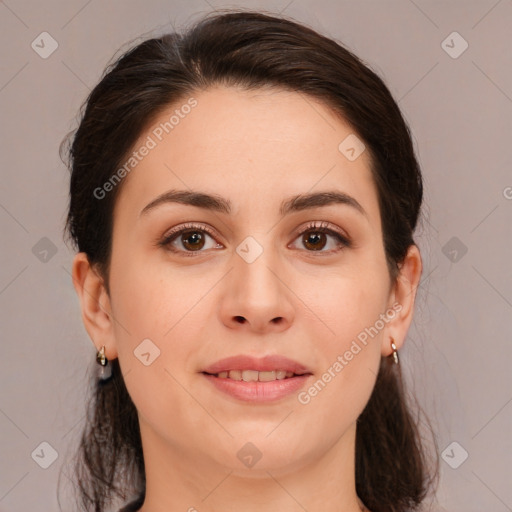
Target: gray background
(458,354)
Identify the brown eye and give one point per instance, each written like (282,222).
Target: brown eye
(192,240)
(189,240)
(314,240)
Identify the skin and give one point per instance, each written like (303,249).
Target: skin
(256,149)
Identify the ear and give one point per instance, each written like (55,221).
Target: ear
(95,305)
(402,300)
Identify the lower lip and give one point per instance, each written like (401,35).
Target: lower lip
(258,391)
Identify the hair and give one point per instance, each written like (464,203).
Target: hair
(249,50)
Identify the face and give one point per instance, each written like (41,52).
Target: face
(259,275)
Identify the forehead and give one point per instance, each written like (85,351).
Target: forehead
(247,143)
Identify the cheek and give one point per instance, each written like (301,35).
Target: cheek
(145,302)
(160,323)
(347,329)
(169,312)
(346,302)
(349,356)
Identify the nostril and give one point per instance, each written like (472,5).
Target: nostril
(240,319)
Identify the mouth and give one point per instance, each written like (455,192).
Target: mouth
(255,375)
(252,379)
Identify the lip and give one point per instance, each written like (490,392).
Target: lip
(258,391)
(262,364)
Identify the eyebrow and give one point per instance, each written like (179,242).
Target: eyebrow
(219,204)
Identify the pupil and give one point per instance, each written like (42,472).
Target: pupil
(314,238)
(195,237)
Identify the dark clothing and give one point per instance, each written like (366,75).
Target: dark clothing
(134,505)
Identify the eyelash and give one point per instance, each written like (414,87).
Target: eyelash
(314,227)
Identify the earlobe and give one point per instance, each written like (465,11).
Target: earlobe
(94,303)
(403,299)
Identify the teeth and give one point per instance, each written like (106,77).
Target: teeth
(250,375)
(266,376)
(253,375)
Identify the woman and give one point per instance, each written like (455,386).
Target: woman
(243,200)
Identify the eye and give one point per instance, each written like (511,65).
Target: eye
(315,238)
(190,239)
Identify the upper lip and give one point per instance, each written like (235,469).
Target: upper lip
(263,364)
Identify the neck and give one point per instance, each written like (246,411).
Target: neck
(178,480)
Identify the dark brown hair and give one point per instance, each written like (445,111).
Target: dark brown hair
(248,50)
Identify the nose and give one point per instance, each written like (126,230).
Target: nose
(256,297)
